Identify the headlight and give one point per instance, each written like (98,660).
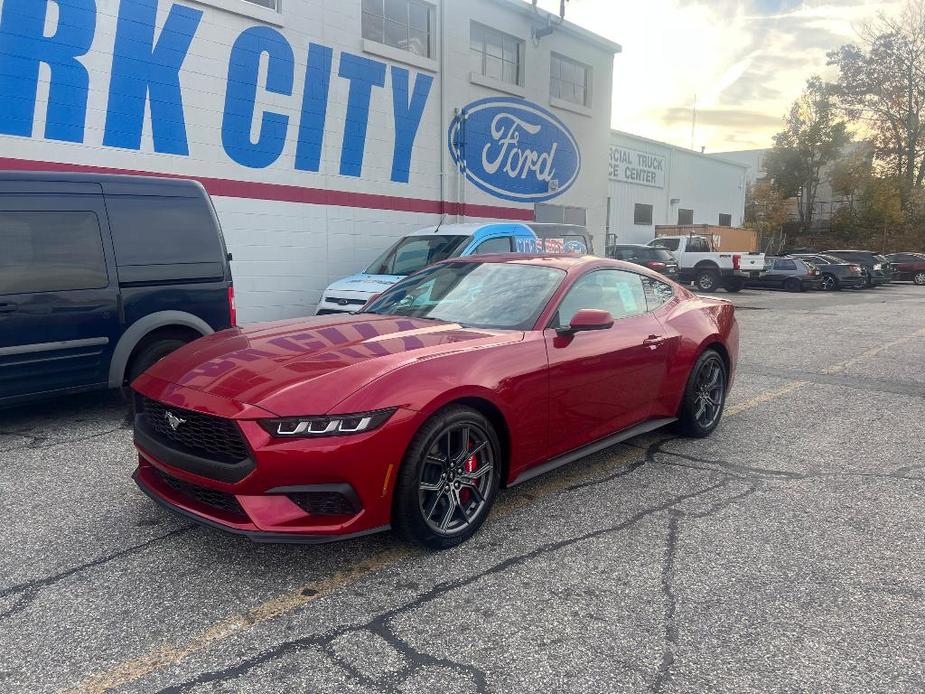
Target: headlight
(332,425)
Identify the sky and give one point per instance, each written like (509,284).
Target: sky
(744,61)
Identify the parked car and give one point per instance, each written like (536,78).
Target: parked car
(788,273)
(433,244)
(708,269)
(657,259)
(835,273)
(101,276)
(470,375)
(875,268)
(908,267)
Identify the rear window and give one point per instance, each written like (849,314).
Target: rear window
(149,230)
(670,244)
(50,251)
(856,257)
(660,254)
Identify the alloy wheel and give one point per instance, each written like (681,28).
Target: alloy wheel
(456,479)
(709,392)
(919,278)
(828,283)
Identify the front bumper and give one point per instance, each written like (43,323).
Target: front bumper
(292,490)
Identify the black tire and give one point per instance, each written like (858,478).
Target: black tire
(435,476)
(919,278)
(734,285)
(706,280)
(692,421)
(829,283)
(792,284)
(149,355)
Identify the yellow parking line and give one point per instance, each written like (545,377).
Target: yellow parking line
(163,656)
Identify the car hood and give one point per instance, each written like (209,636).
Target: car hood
(308,366)
(364,283)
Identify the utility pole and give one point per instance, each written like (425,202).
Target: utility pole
(694,122)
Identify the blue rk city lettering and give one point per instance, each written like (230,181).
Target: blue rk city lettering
(146,71)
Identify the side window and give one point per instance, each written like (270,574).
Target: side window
(621,293)
(50,252)
(785,265)
(148,230)
(622,253)
(669,244)
(725,220)
(502,244)
(657,293)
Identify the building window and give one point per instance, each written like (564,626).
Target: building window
(685,217)
(725,220)
(271,4)
(403,24)
(570,80)
(642,214)
(495,54)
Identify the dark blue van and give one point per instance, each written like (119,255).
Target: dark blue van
(101,276)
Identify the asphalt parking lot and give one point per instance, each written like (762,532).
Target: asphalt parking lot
(786,553)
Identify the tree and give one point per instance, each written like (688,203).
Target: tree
(767,210)
(881,82)
(813,137)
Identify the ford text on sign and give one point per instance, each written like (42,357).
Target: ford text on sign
(514,149)
(631,166)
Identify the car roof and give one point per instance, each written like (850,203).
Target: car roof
(848,250)
(465,229)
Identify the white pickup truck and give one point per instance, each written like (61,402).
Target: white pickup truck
(710,270)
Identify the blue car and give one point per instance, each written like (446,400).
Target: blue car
(101,276)
(433,244)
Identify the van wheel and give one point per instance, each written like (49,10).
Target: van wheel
(707,280)
(149,355)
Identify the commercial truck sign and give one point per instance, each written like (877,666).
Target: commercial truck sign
(632,166)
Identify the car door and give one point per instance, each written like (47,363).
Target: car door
(58,294)
(604,381)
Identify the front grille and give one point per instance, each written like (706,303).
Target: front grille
(200,434)
(209,497)
(323,503)
(341,301)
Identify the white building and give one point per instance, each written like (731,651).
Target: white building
(653,183)
(323,129)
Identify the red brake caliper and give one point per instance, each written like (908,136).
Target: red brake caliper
(469,467)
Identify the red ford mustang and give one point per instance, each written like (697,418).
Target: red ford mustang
(471,375)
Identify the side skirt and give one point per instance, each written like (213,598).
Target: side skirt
(584,451)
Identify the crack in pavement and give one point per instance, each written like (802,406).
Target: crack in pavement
(671,628)
(877,385)
(29,591)
(38,441)
(382,623)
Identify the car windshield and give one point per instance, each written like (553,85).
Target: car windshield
(414,253)
(485,295)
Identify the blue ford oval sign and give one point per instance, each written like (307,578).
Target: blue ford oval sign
(514,149)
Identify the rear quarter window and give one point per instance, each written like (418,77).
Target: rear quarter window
(153,230)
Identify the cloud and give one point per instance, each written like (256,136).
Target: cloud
(722,118)
(744,61)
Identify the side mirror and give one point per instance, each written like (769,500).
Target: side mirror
(587,319)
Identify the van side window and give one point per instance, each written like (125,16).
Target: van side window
(153,230)
(50,252)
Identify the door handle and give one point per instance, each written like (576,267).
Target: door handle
(8,308)
(654,341)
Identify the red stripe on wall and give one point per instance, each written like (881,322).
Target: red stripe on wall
(252,190)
